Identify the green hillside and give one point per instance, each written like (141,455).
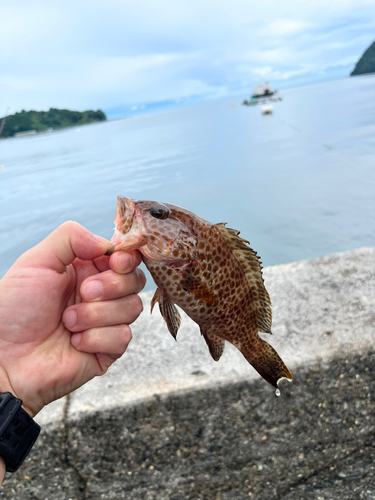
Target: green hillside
(51,119)
(366,64)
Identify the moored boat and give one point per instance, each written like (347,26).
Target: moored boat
(262,93)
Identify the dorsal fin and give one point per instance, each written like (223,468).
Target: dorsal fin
(251,265)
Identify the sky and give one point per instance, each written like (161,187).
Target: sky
(119,54)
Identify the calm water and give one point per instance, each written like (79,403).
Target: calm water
(298,184)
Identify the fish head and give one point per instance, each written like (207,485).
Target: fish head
(160,231)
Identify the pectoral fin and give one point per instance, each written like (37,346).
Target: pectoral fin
(215,345)
(168,311)
(191,281)
(197,287)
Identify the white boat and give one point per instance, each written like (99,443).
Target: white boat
(267,109)
(262,93)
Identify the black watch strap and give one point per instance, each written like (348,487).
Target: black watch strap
(18,431)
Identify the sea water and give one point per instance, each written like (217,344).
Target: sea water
(299,183)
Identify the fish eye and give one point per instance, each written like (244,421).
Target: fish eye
(160,212)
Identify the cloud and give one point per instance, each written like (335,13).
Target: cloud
(104,53)
(284,27)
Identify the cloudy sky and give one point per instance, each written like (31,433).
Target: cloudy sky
(84,54)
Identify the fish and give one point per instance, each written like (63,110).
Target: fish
(208,271)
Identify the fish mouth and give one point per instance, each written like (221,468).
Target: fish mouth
(129,228)
(124,214)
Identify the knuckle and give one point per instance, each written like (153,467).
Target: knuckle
(134,307)
(68,226)
(89,314)
(123,336)
(126,335)
(141,278)
(137,304)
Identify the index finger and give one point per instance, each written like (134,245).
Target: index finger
(125,262)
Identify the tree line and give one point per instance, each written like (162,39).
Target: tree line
(40,121)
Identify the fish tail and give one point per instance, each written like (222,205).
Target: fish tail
(267,362)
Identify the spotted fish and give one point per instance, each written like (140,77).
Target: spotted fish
(209,272)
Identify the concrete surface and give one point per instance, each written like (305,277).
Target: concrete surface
(167,422)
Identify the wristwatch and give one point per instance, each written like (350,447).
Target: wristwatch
(18,431)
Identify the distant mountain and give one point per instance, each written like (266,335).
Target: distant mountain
(53,119)
(367,62)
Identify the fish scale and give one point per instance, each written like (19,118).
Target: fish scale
(208,271)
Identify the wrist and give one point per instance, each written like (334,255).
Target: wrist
(28,410)
(2,470)
(6,386)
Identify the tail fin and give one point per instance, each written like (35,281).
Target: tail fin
(267,362)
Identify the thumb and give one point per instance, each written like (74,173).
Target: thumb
(63,245)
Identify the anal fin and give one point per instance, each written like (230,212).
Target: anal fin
(215,345)
(168,310)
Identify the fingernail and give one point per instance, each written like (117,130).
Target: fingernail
(125,262)
(70,318)
(103,241)
(76,339)
(93,290)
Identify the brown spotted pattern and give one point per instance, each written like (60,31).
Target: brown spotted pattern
(251,265)
(208,271)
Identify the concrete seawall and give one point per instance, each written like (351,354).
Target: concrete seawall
(167,422)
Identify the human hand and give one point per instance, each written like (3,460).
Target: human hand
(44,354)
